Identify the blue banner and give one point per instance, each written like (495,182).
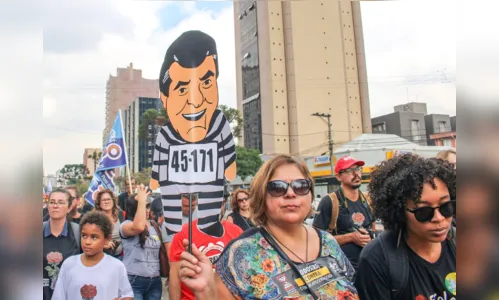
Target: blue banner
(113,156)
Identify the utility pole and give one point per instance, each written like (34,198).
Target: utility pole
(330,136)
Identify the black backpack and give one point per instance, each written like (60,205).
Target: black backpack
(398,261)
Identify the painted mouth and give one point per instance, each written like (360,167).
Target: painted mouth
(195,116)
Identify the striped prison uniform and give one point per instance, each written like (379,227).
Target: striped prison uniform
(182,167)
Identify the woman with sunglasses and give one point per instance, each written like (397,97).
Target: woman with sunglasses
(240,214)
(415,257)
(282,258)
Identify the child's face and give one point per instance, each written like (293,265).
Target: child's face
(92,240)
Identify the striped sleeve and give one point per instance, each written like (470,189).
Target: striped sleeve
(228,146)
(160,157)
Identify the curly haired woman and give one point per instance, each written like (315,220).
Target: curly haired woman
(415,257)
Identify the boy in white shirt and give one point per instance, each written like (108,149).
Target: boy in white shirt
(93,275)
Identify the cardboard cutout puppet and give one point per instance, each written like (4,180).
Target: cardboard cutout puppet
(195,149)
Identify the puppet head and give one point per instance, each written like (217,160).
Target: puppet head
(188,84)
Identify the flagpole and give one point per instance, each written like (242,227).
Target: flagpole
(127,167)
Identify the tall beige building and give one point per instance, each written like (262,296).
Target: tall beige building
(294,59)
(123,89)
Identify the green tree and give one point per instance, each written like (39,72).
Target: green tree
(248,162)
(71,173)
(143,177)
(95,156)
(82,186)
(119,181)
(234,118)
(151,117)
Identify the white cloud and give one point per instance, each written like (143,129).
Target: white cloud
(74,83)
(410,45)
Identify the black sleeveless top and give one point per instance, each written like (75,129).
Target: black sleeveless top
(241,221)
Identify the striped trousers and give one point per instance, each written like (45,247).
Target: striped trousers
(210,201)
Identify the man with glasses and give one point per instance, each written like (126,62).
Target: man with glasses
(346,213)
(415,257)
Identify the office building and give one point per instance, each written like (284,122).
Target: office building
(441,130)
(294,59)
(407,124)
(140,149)
(122,90)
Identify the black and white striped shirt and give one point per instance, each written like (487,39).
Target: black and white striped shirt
(183,167)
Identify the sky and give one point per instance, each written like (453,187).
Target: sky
(410,54)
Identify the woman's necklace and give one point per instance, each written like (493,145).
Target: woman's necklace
(306,247)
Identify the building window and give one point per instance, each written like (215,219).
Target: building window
(415,130)
(379,127)
(447,142)
(441,126)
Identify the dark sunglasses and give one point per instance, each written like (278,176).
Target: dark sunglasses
(278,188)
(425,214)
(242,199)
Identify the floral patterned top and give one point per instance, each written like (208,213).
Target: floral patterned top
(252,269)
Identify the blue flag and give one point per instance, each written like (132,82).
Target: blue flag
(113,156)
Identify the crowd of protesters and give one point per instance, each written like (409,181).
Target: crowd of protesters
(120,249)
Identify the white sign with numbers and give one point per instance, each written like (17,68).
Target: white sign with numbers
(193,163)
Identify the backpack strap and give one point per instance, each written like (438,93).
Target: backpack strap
(452,240)
(397,261)
(76,233)
(335,211)
(158,230)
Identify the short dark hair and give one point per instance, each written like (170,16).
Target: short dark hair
(75,189)
(189,50)
(401,178)
(100,219)
(62,191)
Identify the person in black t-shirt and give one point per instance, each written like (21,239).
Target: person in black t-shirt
(122,198)
(415,257)
(354,218)
(60,239)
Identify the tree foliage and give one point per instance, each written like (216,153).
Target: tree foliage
(119,182)
(143,177)
(82,186)
(234,118)
(150,118)
(248,162)
(71,173)
(95,156)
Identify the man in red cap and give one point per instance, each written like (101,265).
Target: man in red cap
(346,213)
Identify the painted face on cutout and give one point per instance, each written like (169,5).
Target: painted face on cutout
(192,100)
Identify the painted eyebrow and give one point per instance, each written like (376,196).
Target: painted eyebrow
(181,83)
(207,75)
(441,198)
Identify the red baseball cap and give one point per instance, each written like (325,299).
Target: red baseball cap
(346,162)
